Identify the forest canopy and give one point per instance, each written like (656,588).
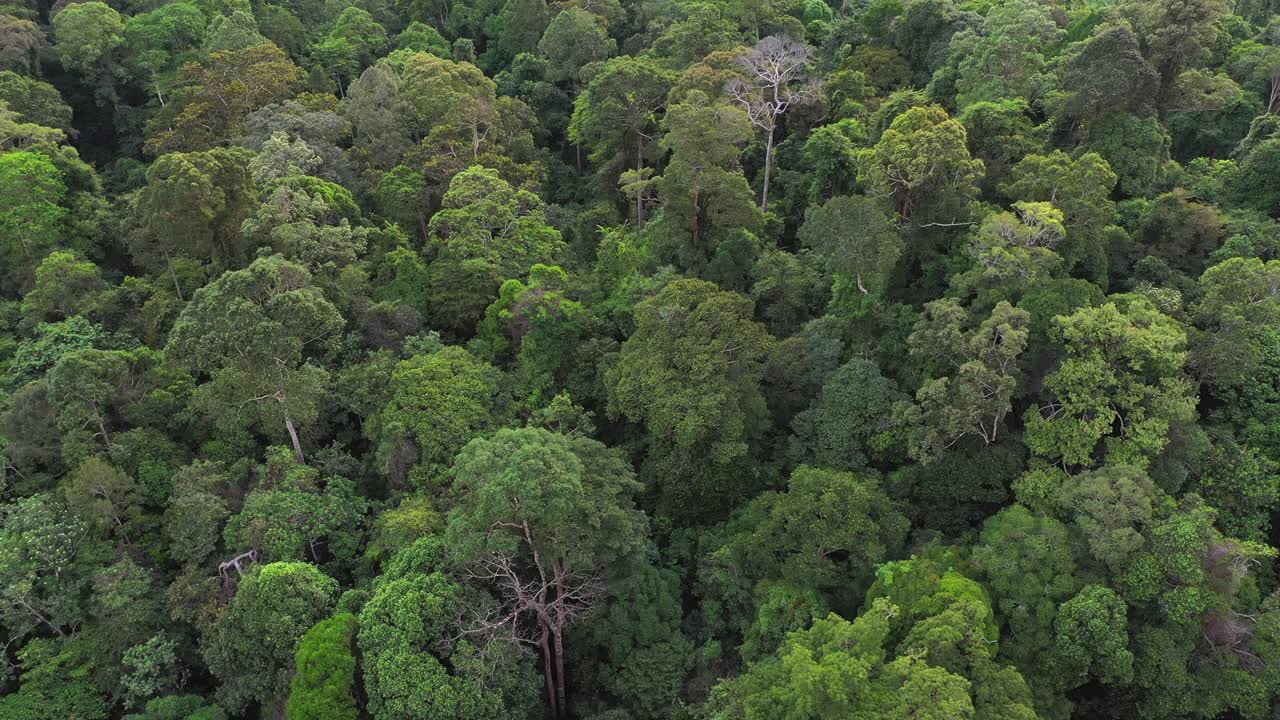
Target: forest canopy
(639,359)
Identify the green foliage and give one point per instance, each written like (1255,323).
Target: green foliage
(1121,385)
(617,359)
(486,231)
(31,215)
(976,380)
(449,378)
(324,684)
(253,644)
(922,164)
(826,532)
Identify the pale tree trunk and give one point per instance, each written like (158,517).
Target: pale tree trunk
(102,428)
(768,167)
(293,435)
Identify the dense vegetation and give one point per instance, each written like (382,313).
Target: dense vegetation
(639,359)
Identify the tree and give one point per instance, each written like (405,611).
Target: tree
(514,30)
(574,39)
(825,534)
(977,378)
(1115,507)
(157,40)
(922,161)
(1181,231)
(1179,35)
(1239,300)
(485,232)
(856,238)
(691,372)
(618,111)
(32,191)
(65,285)
(838,668)
(1108,73)
(253,644)
(448,378)
(1136,148)
(1015,251)
(87,36)
(306,228)
(1006,59)
(217,94)
(545,519)
(1081,188)
(418,664)
(289,516)
(193,206)
(249,331)
(1248,186)
(85,387)
(707,203)
(324,685)
(35,102)
(776,79)
(366,35)
(179,707)
(1120,384)
(846,423)
(21,40)
(104,498)
(46,560)
(541,327)
(1030,572)
(196,511)
(56,682)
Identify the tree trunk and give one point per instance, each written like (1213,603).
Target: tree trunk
(102,428)
(639,167)
(546,672)
(560,669)
(768,167)
(293,435)
(176,287)
(696,228)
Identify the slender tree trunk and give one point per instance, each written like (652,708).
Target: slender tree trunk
(696,230)
(293,435)
(768,167)
(559,639)
(639,167)
(102,428)
(422,226)
(546,672)
(176,287)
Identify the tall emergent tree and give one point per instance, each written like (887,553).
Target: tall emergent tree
(776,79)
